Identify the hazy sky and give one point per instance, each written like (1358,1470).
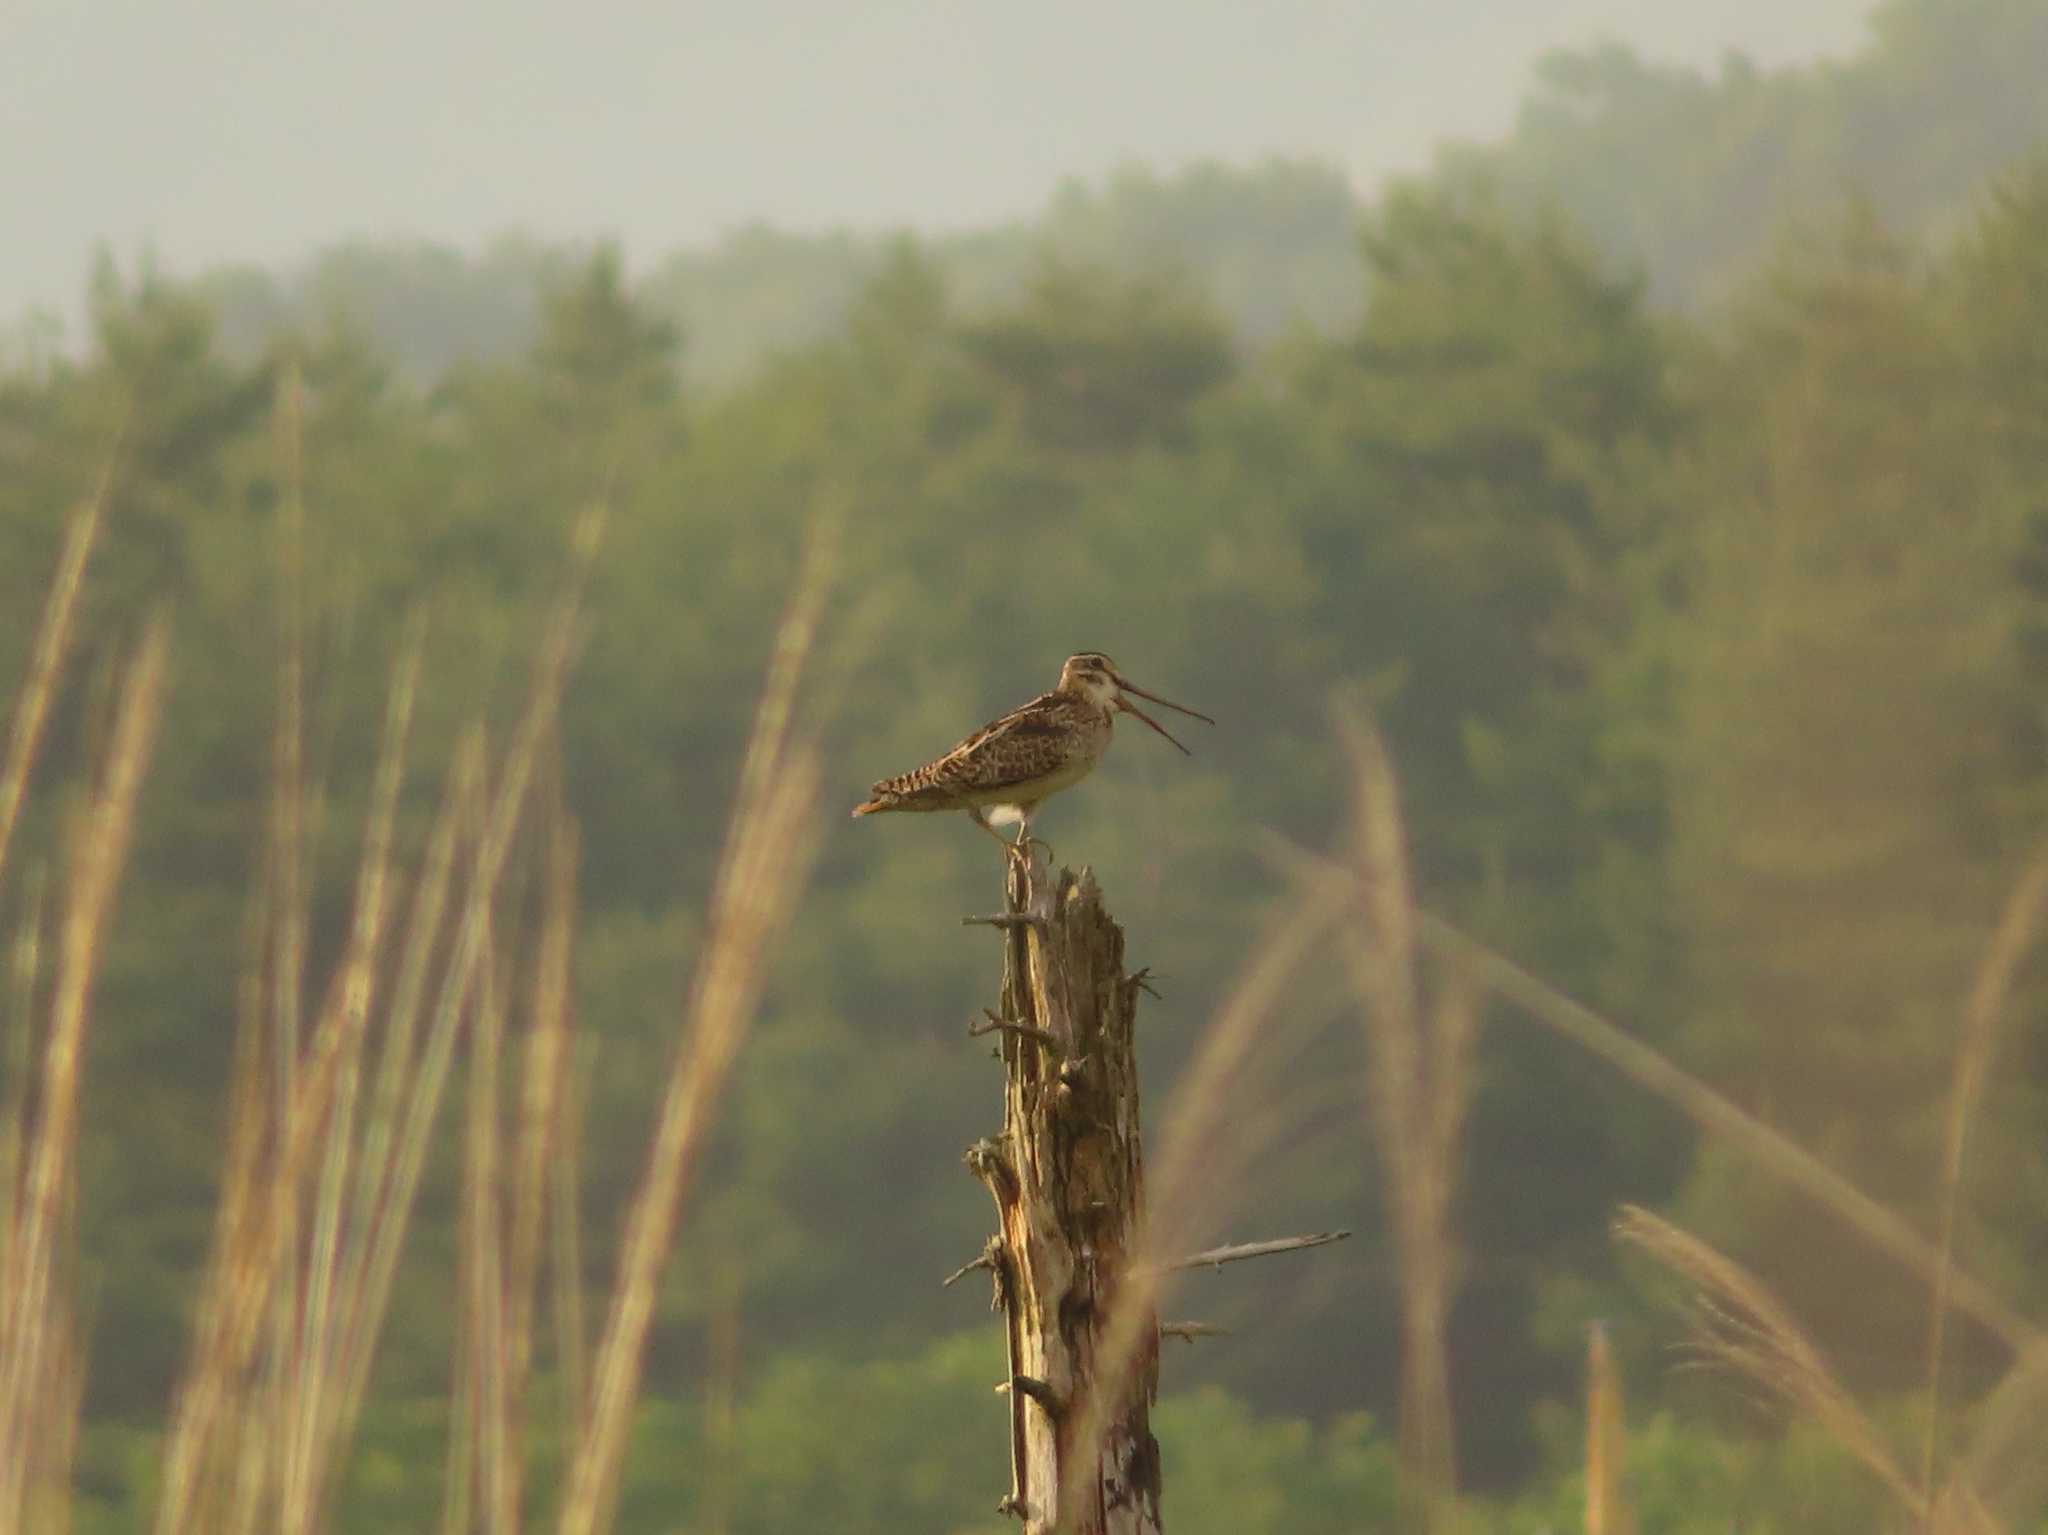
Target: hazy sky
(258,130)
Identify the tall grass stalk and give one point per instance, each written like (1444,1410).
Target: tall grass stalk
(25,959)
(760,871)
(565,1265)
(289,920)
(543,1094)
(1421,1083)
(477,1451)
(1769,1148)
(339,1049)
(364,1161)
(1720,1117)
(1996,1480)
(413,1105)
(250,1244)
(2018,927)
(1607,1508)
(46,660)
(1742,1327)
(39,1366)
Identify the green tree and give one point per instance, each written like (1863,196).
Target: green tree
(1840,656)
(1693,175)
(1096,363)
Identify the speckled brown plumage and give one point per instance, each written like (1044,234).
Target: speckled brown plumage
(1016,760)
(1013,763)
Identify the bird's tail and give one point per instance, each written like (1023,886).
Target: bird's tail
(908,791)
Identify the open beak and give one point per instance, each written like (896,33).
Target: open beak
(1124,703)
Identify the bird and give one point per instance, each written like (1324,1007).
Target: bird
(1006,769)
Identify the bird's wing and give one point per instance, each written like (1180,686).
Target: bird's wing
(1024,745)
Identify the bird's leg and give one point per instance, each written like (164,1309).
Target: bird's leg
(1020,847)
(1025,841)
(980,818)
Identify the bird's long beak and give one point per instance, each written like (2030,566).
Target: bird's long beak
(1124,703)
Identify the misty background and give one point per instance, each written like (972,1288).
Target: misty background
(212,133)
(1636,407)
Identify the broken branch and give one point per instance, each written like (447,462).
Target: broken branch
(992,1024)
(1216,1257)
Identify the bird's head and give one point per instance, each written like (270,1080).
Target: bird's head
(1093,676)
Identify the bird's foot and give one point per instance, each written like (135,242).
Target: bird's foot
(1022,846)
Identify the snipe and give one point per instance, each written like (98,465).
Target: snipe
(1009,767)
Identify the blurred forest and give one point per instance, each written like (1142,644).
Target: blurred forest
(1684,178)
(1669,476)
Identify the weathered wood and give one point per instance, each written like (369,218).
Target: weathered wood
(1067,1178)
(1237,1252)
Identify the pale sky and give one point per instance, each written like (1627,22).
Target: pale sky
(259,130)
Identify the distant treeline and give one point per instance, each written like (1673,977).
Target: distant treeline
(1685,176)
(1711,649)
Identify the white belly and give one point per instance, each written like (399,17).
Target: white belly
(1008,804)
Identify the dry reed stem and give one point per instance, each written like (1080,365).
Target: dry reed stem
(1741,1326)
(1607,1510)
(250,1467)
(397,1053)
(248,1135)
(338,1048)
(46,659)
(386,1220)
(384,1225)
(25,962)
(288,931)
(476,1431)
(33,1316)
(1419,1087)
(541,1094)
(484,1202)
(1180,1191)
(1431,1275)
(2018,926)
(1455,1021)
(760,872)
(350,1329)
(565,1255)
(252,1244)
(744,923)
(1771,1148)
(249,1244)
(45,1477)
(1715,1114)
(46,1500)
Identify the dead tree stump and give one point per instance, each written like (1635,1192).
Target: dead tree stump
(1068,1181)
